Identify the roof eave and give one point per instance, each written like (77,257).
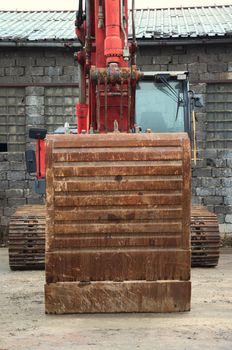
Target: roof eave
(40,43)
(141,42)
(184,41)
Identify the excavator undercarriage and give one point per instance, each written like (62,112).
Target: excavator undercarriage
(27,238)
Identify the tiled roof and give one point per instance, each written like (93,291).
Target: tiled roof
(168,23)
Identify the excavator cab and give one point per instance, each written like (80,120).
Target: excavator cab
(163,103)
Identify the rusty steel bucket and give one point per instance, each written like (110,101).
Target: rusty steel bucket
(118,223)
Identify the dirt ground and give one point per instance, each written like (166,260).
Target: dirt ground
(24,326)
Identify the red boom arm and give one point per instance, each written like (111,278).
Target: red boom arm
(105,63)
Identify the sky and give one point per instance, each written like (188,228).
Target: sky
(73,4)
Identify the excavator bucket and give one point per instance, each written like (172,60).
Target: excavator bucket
(118,223)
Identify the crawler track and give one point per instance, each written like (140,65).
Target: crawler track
(27,238)
(205,237)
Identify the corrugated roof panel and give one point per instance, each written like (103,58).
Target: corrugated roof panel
(168,23)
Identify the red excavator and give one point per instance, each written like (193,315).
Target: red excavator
(118,188)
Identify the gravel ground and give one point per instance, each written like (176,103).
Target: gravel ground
(24,326)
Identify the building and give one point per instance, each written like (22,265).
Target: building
(39,87)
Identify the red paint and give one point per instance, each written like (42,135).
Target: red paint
(105,104)
(113,46)
(40,158)
(82,117)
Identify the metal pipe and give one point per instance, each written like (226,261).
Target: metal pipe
(82,85)
(122,24)
(88,19)
(79,15)
(134,43)
(133,21)
(88,30)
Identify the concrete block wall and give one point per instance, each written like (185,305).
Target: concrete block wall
(46,103)
(34,92)
(209,69)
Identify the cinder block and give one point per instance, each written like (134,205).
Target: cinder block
(227,182)
(67,57)
(224,191)
(70,70)
(17,71)
(14,193)
(206,58)
(34,90)
(150,68)
(217,67)
(213,200)
(16,175)
(206,172)
(46,61)
(34,111)
(196,200)
(36,71)
(7,62)
(15,202)
(178,67)
(8,211)
(4,166)
(217,172)
(197,67)
(17,184)
(221,218)
(33,121)
(25,61)
(228,218)
(53,71)
(161,59)
(188,58)
(228,200)
(210,76)
(17,165)
(197,181)
(220,209)
(218,163)
(4,184)
(4,220)
(223,57)
(224,154)
(210,182)
(3,175)
(227,172)
(3,157)
(34,100)
(15,157)
(205,191)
